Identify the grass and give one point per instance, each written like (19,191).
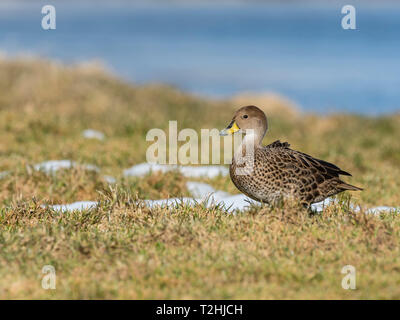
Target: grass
(124,250)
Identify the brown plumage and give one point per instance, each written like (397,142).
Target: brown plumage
(279,172)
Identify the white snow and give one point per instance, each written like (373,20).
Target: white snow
(229,203)
(172,202)
(109,179)
(199,189)
(80,205)
(202,193)
(203,190)
(319,206)
(205,194)
(93,134)
(204,171)
(145,168)
(188,171)
(235,202)
(4,174)
(382,209)
(52,166)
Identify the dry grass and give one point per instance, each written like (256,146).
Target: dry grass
(124,250)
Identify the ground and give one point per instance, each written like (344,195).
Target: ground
(122,249)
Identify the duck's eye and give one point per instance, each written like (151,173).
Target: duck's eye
(245,116)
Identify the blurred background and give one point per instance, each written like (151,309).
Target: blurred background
(297,49)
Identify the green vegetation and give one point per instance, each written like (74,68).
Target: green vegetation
(124,250)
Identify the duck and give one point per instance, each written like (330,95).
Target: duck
(273,173)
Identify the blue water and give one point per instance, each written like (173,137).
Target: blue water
(219,50)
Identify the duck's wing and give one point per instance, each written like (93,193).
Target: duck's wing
(319,169)
(278,144)
(320,165)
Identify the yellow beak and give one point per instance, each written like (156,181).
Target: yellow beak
(231,129)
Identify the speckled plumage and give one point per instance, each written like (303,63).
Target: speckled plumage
(280,172)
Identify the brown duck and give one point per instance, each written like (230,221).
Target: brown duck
(275,172)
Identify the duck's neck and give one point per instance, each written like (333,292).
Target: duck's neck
(251,141)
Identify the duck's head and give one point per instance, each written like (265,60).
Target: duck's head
(248,118)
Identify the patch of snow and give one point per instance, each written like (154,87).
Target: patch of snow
(203,193)
(109,179)
(53,166)
(204,171)
(203,190)
(382,209)
(211,171)
(234,202)
(93,134)
(172,202)
(199,189)
(145,168)
(319,206)
(229,203)
(4,174)
(80,206)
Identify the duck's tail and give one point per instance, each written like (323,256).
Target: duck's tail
(345,186)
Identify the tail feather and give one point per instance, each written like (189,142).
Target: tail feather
(345,186)
(345,173)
